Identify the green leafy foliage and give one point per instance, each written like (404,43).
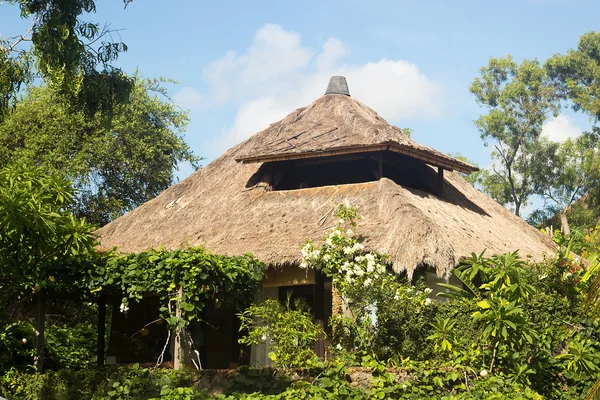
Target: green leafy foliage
(115,166)
(38,237)
(519,98)
(71,55)
(576,74)
(203,277)
(43,248)
(288,328)
(443,335)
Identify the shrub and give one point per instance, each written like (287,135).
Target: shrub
(288,328)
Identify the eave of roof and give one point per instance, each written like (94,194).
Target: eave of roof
(432,159)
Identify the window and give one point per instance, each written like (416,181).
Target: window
(353,168)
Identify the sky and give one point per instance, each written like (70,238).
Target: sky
(242,65)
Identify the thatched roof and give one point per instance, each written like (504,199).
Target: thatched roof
(338,124)
(220,207)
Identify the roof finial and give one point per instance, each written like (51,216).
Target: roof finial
(338,85)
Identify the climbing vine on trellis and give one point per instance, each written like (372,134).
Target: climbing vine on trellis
(204,278)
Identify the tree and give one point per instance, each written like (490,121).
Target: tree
(563,172)
(114,167)
(576,75)
(41,243)
(66,52)
(519,98)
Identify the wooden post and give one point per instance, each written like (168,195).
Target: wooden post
(101,330)
(177,361)
(440,182)
(336,302)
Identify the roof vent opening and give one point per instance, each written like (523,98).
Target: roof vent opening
(338,85)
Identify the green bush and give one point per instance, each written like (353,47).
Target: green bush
(288,328)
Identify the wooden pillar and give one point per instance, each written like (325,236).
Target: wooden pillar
(336,302)
(101,330)
(440,188)
(177,359)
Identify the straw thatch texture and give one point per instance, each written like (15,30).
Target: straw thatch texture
(337,123)
(214,208)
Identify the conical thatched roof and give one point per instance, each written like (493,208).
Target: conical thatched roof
(227,209)
(337,124)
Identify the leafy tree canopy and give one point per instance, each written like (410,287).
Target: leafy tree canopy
(563,172)
(41,244)
(114,168)
(37,235)
(576,74)
(68,53)
(519,98)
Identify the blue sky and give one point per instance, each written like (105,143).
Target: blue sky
(242,65)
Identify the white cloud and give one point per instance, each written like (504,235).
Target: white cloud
(560,128)
(277,74)
(252,117)
(188,99)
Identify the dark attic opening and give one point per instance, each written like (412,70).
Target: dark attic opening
(353,168)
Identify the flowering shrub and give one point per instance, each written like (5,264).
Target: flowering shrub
(366,282)
(342,257)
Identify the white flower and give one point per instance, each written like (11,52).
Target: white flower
(329,242)
(427,290)
(303,265)
(370,268)
(370,257)
(357,247)
(349,279)
(123,308)
(346,267)
(326,257)
(350,232)
(339,346)
(368,282)
(264,337)
(348,250)
(404,386)
(396,297)
(428,301)
(306,250)
(340,221)
(359,272)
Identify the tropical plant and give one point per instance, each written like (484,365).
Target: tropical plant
(42,245)
(288,328)
(443,333)
(581,357)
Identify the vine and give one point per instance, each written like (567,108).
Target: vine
(202,276)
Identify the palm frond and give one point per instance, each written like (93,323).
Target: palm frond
(594,392)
